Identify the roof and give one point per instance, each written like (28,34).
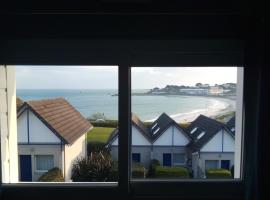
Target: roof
(60,117)
(231,124)
(19,103)
(204,124)
(157,128)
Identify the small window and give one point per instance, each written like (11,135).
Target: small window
(211,164)
(202,134)
(44,162)
(179,159)
(136,157)
(156,131)
(193,130)
(154,126)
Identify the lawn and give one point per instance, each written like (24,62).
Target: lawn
(99,134)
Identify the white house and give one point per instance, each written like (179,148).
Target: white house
(164,140)
(212,145)
(51,133)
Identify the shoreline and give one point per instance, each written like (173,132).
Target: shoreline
(189,117)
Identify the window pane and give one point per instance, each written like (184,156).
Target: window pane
(184,121)
(44,162)
(67,118)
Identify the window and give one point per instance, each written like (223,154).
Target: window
(44,162)
(136,157)
(179,158)
(180,119)
(211,164)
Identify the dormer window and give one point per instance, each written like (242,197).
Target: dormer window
(154,126)
(193,130)
(156,131)
(202,134)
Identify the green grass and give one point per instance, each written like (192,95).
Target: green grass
(99,134)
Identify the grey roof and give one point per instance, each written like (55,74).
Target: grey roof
(231,124)
(157,128)
(204,124)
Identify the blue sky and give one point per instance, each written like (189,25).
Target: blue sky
(106,77)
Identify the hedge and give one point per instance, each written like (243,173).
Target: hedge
(171,172)
(95,147)
(138,170)
(107,123)
(53,175)
(218,173)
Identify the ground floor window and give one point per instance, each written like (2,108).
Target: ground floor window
(225,164)
(136,157)
(179,158)
(211,164)
(44,162)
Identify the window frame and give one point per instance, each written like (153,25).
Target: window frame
(141,57)
(35,159)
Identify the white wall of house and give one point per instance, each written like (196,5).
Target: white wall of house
(38,131)
(72,152)
(137,138)
(222,141)
(34,150)
(172,137)
(8,125)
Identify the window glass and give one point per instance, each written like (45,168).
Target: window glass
(66,121)
(44,162)
(184,121)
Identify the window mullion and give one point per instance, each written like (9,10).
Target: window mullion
(124,128)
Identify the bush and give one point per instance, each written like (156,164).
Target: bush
(171,172)
(98,166)
(218,173)
(53,175)
(107,123)
(95,147)
(138,170)
(152,167)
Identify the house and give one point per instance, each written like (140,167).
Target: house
(216,90)
(164,140)
(194,91)
(231,124)
(212,145)
(51,133)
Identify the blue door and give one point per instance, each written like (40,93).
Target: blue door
(136,157)
(25,168)
(167,159)
(225,164)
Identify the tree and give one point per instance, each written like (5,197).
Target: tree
(198,84)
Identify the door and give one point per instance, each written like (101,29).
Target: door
(167,159)
(25,168)
(225,164)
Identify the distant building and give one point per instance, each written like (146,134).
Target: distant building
(51,133)
(194,91)
(216,90)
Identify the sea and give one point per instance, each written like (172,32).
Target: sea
(91,101)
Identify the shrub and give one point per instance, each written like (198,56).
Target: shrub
(138,170)
(171,172)
(218,173)
(107,123)
(152,167)
(53,175)
(96,147)
(96,167)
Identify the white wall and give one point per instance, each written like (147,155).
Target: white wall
(137,138)
(172,136)
(72,152)
(216,145)
(8,125)
(228,143)
(22,129)
(38,131)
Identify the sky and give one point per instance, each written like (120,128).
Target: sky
(106,77)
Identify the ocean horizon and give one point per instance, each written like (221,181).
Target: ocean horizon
(148,108)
